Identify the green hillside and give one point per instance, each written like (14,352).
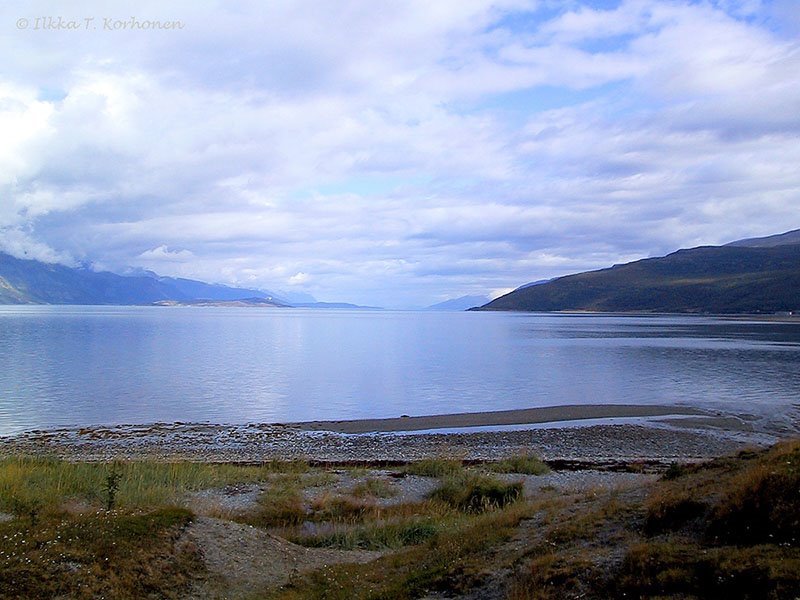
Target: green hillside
(724,279)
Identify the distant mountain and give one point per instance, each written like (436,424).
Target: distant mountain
(32,282)
(294,298)
(190,288)
(458,304)
(223,303)
(343,305)
(782,239)
(712,279)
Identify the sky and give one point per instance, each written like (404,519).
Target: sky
(393,153)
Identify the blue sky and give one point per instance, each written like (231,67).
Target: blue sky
(395,153)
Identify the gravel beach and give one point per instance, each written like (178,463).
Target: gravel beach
(594,444)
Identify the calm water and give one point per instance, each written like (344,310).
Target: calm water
(107,365)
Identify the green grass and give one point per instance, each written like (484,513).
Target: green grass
(454,556)
(435,467)
(525,464)
(725,529)
(477,493)
(380,534)
(50,483)
(374,488)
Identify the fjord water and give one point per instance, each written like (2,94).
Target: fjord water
(66,365)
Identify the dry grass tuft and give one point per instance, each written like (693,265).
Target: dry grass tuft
(524,464)
(477,493)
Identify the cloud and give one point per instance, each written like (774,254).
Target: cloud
(395,153)
(299,278)
(164,254)
(18,243)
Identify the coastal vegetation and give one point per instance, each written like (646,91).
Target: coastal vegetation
(724,528)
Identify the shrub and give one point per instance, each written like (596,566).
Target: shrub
(477,493)
(674,471)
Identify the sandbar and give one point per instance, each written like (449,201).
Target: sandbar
(524,416)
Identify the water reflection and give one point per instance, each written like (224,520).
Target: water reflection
(90,365)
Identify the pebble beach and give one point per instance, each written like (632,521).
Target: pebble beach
(595,442)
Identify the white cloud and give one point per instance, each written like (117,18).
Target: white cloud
(397,151)
(299,279)
(164,254)
(19,243)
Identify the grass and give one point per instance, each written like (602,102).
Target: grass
(105,554)
(48,484)
(452,560)
(376,534)
(725,529)
(373,487)
(761,505)
(671,510)
(477,493)
(674,569)
(524,464)
(346,523)
(278,506)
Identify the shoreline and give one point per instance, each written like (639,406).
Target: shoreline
(683,434)
(522,416)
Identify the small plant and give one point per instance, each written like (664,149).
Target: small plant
(112,485)
(27,507)
(674,471)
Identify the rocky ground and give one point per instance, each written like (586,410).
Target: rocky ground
(596,444)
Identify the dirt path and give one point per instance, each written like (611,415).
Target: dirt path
(241,559)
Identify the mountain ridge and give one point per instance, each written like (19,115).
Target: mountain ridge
(749,279)
(770,241)
(28,281)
